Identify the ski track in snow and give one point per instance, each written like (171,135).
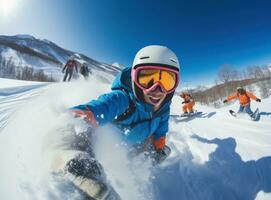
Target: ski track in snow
(11,98)
(214,156)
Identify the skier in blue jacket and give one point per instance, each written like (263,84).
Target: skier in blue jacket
(139,103)
(143,93)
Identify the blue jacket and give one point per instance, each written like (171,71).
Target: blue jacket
(141,124)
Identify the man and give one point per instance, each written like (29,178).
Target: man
(69,68)
(139,102)
(84,70)
(244,99)
(188,102)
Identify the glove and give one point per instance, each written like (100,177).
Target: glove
(161,154)
(225,101)
(84,166)
(258,100)
(87,115)
(183,102)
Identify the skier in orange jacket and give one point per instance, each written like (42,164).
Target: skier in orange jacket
(188,103)
(244,99)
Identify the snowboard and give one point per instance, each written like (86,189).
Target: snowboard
(187,115)
(253,117)
(82,170)
(94,190)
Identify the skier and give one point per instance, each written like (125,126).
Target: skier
(69,68)
(188,103)
(84,70)
(244,99)
(140,102)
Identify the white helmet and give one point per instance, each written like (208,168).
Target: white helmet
(72,57)
(156,54)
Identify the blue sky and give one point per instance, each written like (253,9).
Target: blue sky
(203,34)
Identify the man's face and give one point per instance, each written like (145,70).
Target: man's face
(155,97)
(241,91)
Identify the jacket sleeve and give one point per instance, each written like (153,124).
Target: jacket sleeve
(159,136)
(252,96)
(232,96)
(65,66)
(190,98)
(76,67)
(107,107)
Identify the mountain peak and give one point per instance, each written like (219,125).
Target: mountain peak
(47,41)
(25,36)
(118,65)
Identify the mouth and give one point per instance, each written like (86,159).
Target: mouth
(155,100)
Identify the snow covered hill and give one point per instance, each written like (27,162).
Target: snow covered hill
(214,156)
(26,50)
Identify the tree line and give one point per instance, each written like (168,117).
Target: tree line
(228,79)
(8,69)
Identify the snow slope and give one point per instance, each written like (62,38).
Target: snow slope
(14,93)
(214,156)
(7,83)
(26,50)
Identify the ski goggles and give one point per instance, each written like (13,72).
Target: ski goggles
(149,77)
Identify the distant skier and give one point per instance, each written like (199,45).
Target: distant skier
(188,102)
(244,99)
(84,70)
(69,68)
(139,102)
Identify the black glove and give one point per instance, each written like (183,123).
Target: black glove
(225,101)
(258,100)
(84,166)
(183,102)
(162,154)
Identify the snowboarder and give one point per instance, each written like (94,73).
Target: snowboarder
(244,100)
(188,103)
(84,70)
(139,101)
(69,68)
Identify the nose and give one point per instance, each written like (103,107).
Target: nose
(157,88)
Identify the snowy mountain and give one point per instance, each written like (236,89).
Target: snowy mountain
(118,65)
(214,155)
(26,50)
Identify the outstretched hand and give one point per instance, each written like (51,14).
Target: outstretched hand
(258,100)
(87,115)
(225,101)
